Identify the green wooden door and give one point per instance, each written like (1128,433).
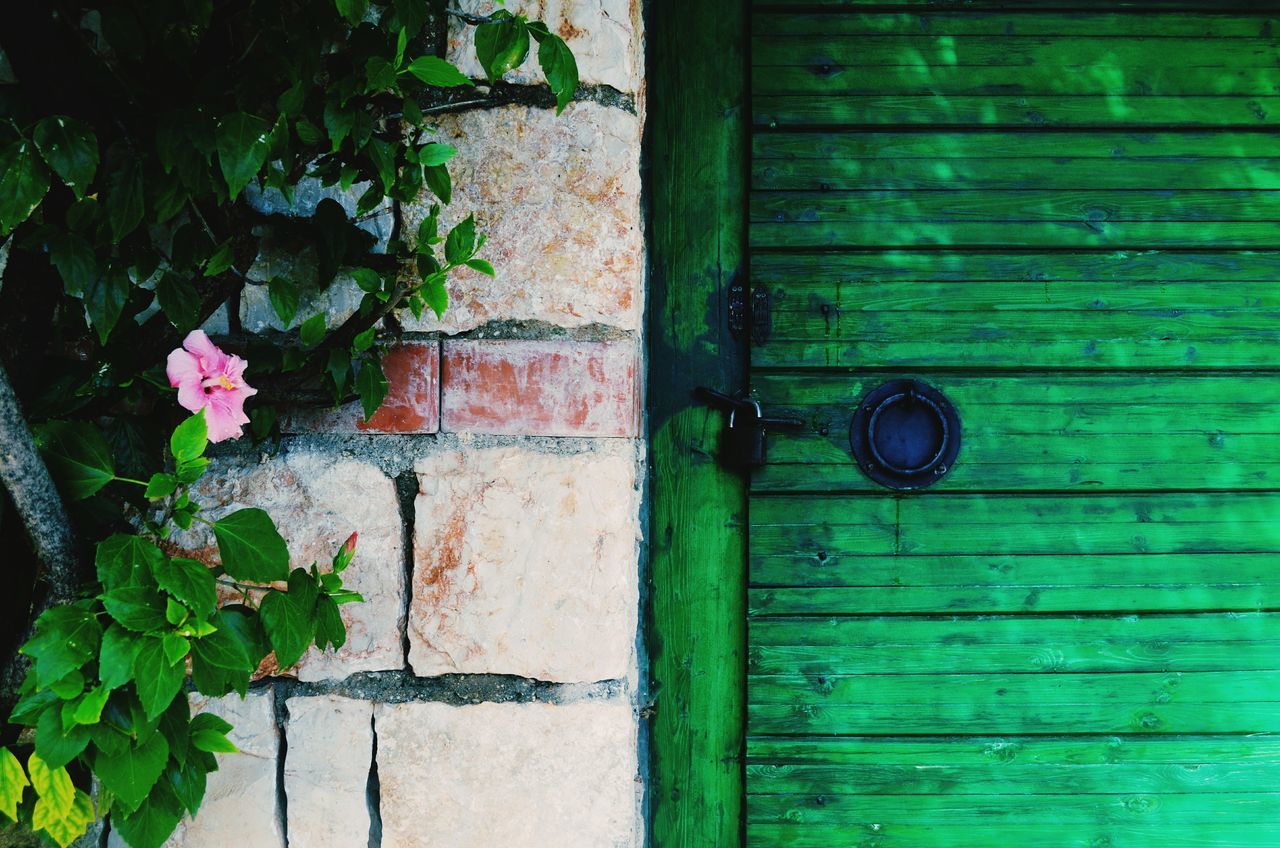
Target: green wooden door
(1067,221)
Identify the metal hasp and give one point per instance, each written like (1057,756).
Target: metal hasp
(905,435)
(744,444)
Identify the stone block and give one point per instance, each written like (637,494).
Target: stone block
(326,771)
(526,563)
(514,775)
(603,35)
(317,501)
(412,404)
(559,198)
(541,388)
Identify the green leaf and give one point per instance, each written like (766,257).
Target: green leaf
(161,485)
(289,618)
(557,63)
(78,456)
(284,299)
(66,828)
(290,103)
(233,646)
(251,547)
(125,198)
(433,70)
(190,438)
(152,822)
(435,154)
(329,626)
(175,613)
(367,279)
(352,10)
(412,14)
(339,122)
(176,648)
(363,341)
(24,181)
(75,261)
(379,74)
(51,783)
(13,783)
(461,242)
(66,638)
(482,266)
(383,156)
(188,781)
(338,367)
(131,773)
(243,145)
(57,744)
(213,742)
(220,261)
(115,661)
(436,296)
(371,385)
(127,560)
(190,582)
(104,300)
(158,681)
(138,608)
(312,330)
(70,148)
(179,301)
(175,724)
(89,710)
(501,44)
(308,133)
(439,181)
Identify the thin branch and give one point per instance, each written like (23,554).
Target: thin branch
(26,478)
(468,18)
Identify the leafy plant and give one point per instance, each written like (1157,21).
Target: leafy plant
(151,152)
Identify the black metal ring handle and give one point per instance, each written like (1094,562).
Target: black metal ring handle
(905,434)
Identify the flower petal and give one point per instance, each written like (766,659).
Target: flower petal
(183,372)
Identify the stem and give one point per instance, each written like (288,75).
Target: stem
(27,480)
(120,479)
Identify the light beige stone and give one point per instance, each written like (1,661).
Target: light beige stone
(525,563)
(240,805)
(316,502)
(513,775)
(559,198)
(326,771)
(603,35)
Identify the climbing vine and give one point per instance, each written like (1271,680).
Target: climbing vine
(141,142)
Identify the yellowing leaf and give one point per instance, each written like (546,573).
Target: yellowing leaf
(13,781)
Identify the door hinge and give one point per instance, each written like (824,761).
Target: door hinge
(756,311)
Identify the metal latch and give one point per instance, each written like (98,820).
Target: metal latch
(744,445)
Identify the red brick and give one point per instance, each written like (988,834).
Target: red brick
(541,388)
(412,404)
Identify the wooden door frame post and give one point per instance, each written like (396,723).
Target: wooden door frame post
(696,158)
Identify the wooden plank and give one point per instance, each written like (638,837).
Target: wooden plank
(1184,147)
(1108,81)
(1018,525)
(1035,218)
(1098,56)
(1016,21)
(906,645)
(1045,431)
(1032,269)
(978,810)
(1231,835)
(831,704)
(994,110)
(695,150)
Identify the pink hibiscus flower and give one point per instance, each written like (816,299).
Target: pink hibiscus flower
(208,379)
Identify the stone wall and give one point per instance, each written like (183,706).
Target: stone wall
(487,695)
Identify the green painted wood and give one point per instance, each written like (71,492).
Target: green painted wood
(995,110)
(1249,835)
(1097,56)
(974,811)
(695,150)
(1066,217)
(1045,431)
(1018,23)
